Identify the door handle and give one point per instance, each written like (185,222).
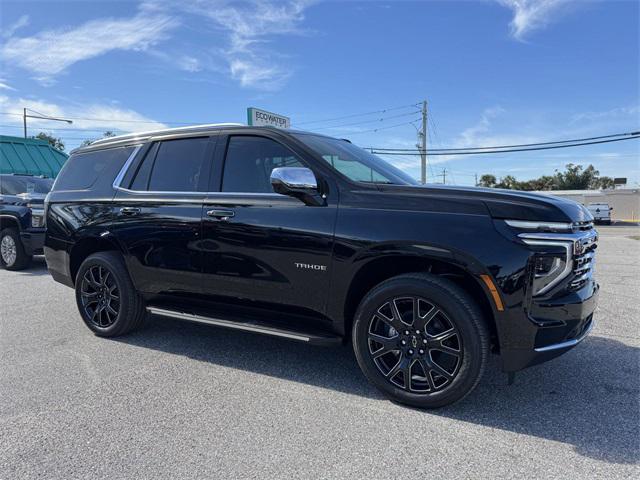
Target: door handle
(221,214)
(129,210)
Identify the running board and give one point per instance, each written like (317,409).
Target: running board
(324,339)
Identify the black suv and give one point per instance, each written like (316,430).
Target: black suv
(311,238)
(21,218)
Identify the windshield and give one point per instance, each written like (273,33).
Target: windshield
(16,185)
(354,162)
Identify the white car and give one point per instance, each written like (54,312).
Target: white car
(601,212)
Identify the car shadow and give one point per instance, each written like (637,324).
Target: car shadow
(588,398)
(37,267)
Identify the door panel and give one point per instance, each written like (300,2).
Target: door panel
(160,215)
(161,239)
(273,249)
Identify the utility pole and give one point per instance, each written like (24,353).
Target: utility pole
(25,115)
(422,144)
(444,176)
(476,175)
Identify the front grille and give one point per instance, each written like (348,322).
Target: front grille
(583,266)
(582,226)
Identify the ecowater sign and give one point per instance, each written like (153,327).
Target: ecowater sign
(262,118)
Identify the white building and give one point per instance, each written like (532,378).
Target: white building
(624,201)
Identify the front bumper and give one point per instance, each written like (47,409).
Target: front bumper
(33,240)
(550,329)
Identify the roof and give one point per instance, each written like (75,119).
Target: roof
(167,131)
(30,156)
(122,140)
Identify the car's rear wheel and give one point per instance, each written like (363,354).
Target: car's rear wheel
(421,340)
(106,297)
(12,253)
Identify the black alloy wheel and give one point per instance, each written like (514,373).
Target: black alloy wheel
(100,296)
(421,339)
(106,297)
(414,344)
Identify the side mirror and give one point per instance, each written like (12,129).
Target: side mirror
(296,182)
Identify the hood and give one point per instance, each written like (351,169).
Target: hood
(24,199)
(506,204)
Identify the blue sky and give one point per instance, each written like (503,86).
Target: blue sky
(493,72)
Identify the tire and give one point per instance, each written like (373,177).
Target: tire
(107,300)
(449,327)
(12,253)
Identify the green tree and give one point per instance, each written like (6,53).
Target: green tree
(576,177)
(603,183)
(89,141)
(55,142)
(573,177)
(508,182)
(487,180)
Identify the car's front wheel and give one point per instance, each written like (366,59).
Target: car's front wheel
(106,298)
(421,340)
(12,253)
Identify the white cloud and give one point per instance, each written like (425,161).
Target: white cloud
(244,32)
(5,86)
(189,64)
(614,113)
(471,136)
(529,15)
(23,21)
(248,27)
(93,118)
(51,52)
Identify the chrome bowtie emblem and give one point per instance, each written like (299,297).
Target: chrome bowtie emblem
(414,342)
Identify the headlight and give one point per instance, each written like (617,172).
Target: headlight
(37,218)
(540,226)
(551,264)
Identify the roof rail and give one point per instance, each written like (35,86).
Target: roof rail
(164,130)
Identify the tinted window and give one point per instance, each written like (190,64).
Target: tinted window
(16,185)
(353,162)
(178,165)
(141,180)
(249,162)
(82,170)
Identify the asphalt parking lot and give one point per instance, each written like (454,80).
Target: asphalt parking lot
(178,400)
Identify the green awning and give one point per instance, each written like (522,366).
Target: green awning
(30,156)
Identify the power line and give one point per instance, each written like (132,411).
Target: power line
(115,120)
(375,150)
(384,128)
(101,130)
(382,119)
(462,149)
(357,114)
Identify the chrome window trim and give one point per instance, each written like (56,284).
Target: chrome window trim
(125,168)
(118,180)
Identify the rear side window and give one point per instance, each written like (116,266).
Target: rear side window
(173,166)
(81,170)
(249,162)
